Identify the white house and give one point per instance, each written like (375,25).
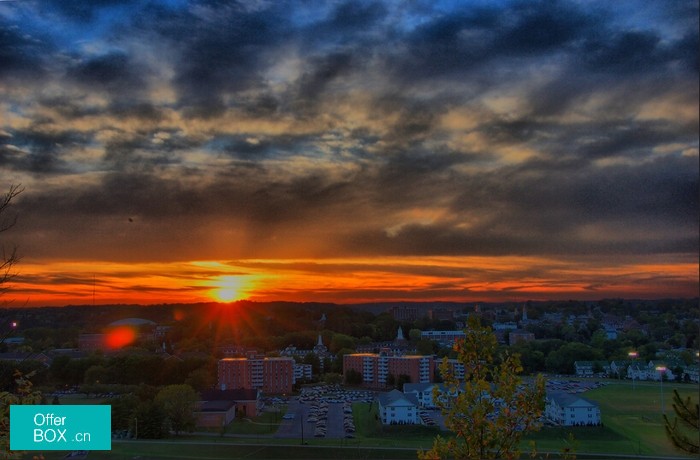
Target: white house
(620,367)
(638,371)
(397,408)
(656,374)
(693,373)
(570,410)
(422,391)
(587,368)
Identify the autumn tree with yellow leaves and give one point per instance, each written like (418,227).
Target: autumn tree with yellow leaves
(491,410)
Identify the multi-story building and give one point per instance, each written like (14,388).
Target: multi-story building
(376,368)
(571,410)
(396,408)
(270,375)
(406,313)
(457,368)
(302,372)
(444,338)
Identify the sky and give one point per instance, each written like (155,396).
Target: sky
(349,151)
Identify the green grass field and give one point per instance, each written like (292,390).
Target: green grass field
(634,412)
(632,422)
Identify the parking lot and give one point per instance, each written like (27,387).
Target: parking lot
(573,386)
(322,412)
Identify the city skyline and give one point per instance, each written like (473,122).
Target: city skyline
(347,152)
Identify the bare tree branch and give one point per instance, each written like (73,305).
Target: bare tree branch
(9,257)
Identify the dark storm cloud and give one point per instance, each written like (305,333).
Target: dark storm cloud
(245,148)
(629,51)
(21,55)
(277,121)
(348,23)
(112,71)
(587,142)
(138,110)
(354,16)
(323,71)
(37,151)
(79,10)
(535,27)
(463,41)
(220,53)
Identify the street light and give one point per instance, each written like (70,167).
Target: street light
(662,370)
(633,355)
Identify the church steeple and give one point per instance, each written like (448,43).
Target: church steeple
(399,335)
(320,349)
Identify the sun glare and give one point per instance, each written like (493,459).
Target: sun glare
(229,289)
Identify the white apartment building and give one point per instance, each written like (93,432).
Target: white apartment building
(397,408)
(571,410)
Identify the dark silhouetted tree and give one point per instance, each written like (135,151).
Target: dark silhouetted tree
(684,431)
(178,403)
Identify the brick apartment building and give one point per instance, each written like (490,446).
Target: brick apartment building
(375,368)
(270,375)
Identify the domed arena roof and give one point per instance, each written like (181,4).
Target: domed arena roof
(136,322)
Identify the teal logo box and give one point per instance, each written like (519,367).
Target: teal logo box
(77,427)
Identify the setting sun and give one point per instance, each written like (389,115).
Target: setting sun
(230,288)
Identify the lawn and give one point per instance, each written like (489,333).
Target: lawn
(212,451)
(632,422)
(634,412)
(371,431)
(265,423)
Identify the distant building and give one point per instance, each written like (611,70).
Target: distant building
(441,315)
(19,357)
(507,326)
(270,375)
(519,335)
(650,371)
(399,346)
(90,342)
(122,333)
(667,366)
(589,368)
(302,372)
(571,410)
(405,313)
(219,407)
(637,371)
(232,350)
(214,414)
(692,373)
(444,338)
(610,332)
(457,368)
(620,368)
(423,393)
(397,408)
(375,368)
(320,350)
(72,353)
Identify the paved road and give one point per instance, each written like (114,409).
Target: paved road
(293,428)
